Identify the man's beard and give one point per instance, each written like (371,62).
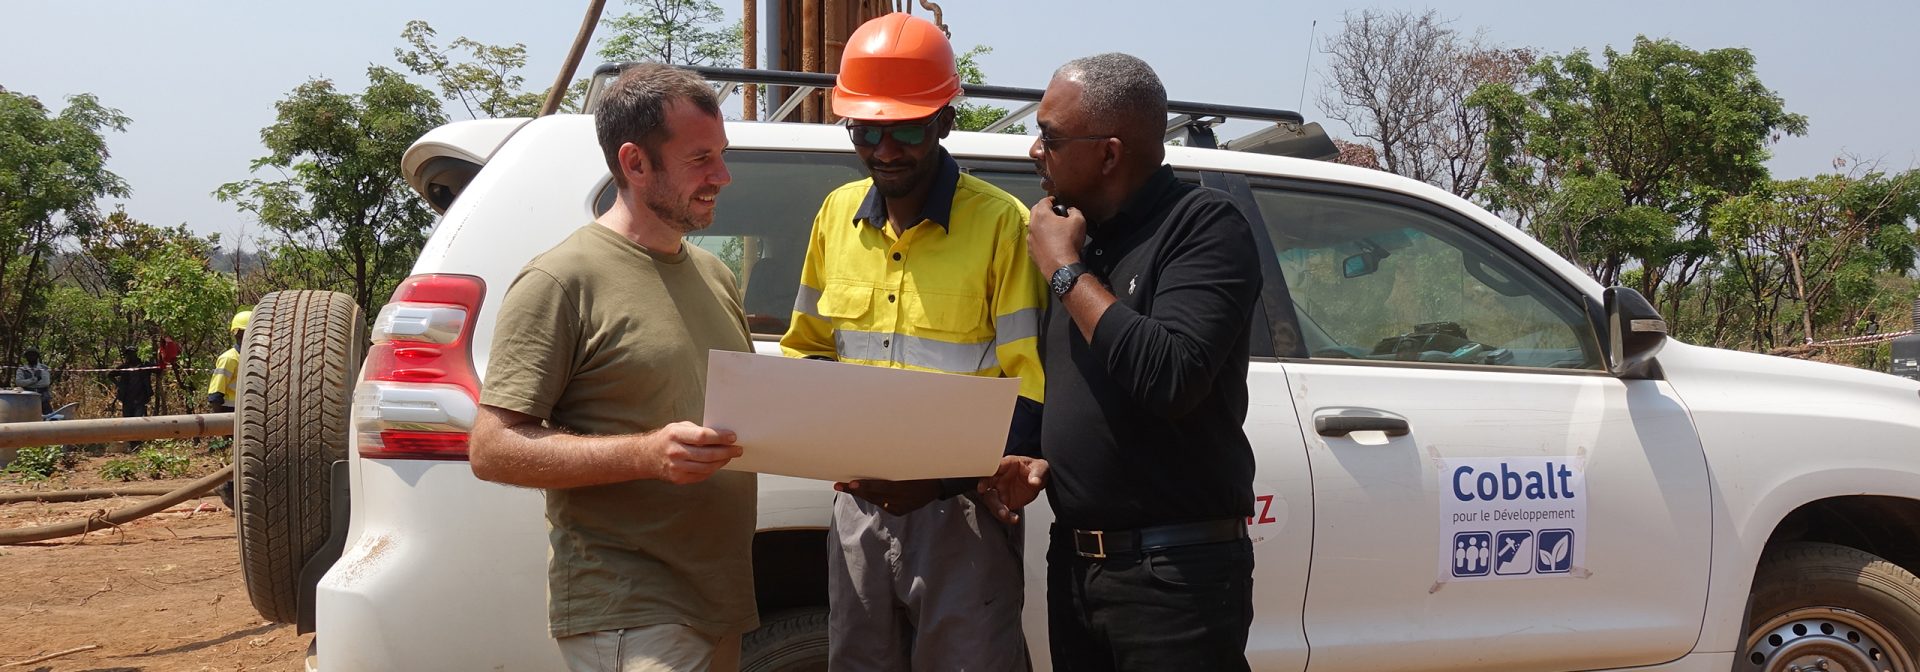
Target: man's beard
(898,185)
(676,211)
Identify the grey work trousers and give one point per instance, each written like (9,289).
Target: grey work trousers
(937,589)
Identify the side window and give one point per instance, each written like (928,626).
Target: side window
(1021,185)
(1024,184)
(1376,281)
(761,225)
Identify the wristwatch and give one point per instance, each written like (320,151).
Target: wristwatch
(1064,278)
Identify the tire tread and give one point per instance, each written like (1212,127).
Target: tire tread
(298,360)
(784,639)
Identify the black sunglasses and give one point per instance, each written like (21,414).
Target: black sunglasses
(1049,142)
(905,134)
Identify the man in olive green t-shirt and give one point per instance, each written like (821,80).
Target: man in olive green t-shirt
(596,381)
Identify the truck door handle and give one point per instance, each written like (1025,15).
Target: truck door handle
(1342,425)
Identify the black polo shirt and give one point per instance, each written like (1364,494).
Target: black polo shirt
(1142,427)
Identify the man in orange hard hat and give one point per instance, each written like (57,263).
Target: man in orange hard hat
(921,268)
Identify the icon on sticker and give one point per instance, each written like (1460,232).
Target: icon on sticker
(1513,552)
(1555,554)
(1472,553)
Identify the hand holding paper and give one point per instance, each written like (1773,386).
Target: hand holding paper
(683,452)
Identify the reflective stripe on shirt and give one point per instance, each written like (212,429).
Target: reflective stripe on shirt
(925,353)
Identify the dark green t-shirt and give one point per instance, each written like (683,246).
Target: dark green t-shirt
(600,336)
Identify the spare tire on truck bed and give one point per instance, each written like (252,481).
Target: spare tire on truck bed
(298,364)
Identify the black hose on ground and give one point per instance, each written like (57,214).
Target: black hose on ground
(98,522)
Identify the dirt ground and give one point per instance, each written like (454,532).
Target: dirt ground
(161,593)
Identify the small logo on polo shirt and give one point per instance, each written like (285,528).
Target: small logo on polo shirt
(1132,284)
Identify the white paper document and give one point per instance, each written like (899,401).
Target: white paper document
(840,422)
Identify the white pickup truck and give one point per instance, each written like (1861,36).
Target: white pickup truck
(1471,456)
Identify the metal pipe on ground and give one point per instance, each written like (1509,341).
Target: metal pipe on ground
(102,430)
(192,490)
(53,496)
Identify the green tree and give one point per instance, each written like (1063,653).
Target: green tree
(341,200)
(52,174)
(154,282)
(181,296)
(1616,165)
(974,116)
(680,32)
(111,253)
(116,255)
(486,82)
(284,264)
(1812,249)
(81,326)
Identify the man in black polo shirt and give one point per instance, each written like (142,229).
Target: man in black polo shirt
(1145,349)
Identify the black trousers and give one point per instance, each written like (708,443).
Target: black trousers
(134,409)
(1185,608)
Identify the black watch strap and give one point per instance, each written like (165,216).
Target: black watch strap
(1063,280)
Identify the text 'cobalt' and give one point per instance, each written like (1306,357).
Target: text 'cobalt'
(1550,482)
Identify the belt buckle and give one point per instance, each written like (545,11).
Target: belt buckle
(1100,540)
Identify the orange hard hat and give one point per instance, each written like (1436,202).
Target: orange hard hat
(896,67)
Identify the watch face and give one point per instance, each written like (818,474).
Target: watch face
(1063,280)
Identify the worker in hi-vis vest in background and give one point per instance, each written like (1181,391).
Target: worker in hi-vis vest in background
(222,390)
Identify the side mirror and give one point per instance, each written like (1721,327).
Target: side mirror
(1635,333)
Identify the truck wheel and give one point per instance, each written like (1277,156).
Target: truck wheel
(297,367)
(1827,607)
(787,641)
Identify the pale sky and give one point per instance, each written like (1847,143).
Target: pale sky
(199,77)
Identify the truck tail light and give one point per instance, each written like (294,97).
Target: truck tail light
(420,393)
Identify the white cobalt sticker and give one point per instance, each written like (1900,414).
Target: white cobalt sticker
(1512,517)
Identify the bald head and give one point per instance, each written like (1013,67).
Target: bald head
(1122,91)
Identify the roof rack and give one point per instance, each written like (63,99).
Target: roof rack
(1190,122)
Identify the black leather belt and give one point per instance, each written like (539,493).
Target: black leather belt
(1099,544)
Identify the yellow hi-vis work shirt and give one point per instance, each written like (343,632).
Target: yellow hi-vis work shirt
(955,292)
(226,373)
